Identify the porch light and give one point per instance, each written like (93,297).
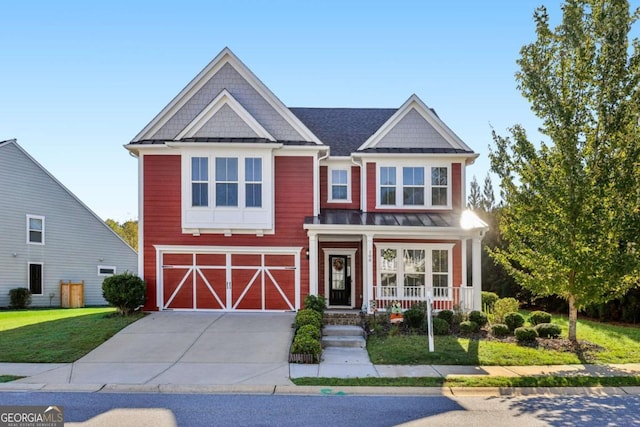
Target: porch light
(469,221)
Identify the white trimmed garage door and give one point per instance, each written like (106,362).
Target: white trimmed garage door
(229,279)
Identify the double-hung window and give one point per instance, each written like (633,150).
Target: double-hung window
(199,181)
(35,229)
(226,181)
(413,186)
(339,185)
(253,182)
(440,273)
(388,186)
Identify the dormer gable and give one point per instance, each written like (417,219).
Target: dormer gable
(415,126)
(224,117)
(227,87)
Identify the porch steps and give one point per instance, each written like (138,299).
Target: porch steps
(342,317)
(343,336)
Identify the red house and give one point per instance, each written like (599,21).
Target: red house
(246,204)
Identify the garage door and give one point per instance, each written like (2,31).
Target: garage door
(229,279)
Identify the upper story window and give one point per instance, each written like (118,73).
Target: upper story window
(339,185)
(226,181)
(199,181)
(253,182)
(35,229)
(413,186)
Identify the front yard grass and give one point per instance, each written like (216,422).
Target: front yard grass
(620,344)
(56,335)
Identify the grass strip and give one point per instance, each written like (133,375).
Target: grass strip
(8,378)
(547,381)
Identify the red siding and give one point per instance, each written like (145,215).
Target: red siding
(162,214)
(456,186)
(324,190)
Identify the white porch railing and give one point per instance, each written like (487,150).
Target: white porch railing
(443,298)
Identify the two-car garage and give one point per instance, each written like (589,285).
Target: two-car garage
(228,278)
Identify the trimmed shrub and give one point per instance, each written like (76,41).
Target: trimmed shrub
(458,316)
(504,306)
(488,300)
(307,316)
(514,320)
(19,298)
(310,330)
(525,334)
(126,291)
(468,327)
(478,317)
(315,302)
(548,330)
(440,326)
(304,344)
(538,317)
(414,317)
(500,330)
(445,315)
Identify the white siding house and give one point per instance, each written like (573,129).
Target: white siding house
(47,234)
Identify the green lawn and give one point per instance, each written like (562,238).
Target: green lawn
(621,345)
(56,335)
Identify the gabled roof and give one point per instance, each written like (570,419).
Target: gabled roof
(429,132)
(225,57)
(343,129)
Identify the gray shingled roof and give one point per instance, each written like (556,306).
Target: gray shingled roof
(343,129)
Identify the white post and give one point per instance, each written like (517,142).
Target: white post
(313,263)
(476,270)
(430,320)
(367,278)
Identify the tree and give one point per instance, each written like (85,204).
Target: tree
(488,198)
(572,207)
(128,231)
(474,201)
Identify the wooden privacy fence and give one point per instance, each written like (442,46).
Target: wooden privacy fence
(71,294)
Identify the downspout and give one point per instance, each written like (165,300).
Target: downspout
(316,182)
(363,190)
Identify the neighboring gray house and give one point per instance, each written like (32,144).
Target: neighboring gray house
(47,235)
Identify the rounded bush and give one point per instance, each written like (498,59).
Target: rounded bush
(525,334)
(468,327)
(304,344)
(488,300)
(126,291)
(538,317)
(315,302)
(414,317)
(445,315)
(440,326)
(514,320)
(500,330)
(548,330)
(308,316)
(504,306)
(479,317)
(310,330)
(19,298)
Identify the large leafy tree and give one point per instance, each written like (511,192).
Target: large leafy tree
(128,231)
(572,207)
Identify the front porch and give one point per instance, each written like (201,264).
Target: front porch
(368,261)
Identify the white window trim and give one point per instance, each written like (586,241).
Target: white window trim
(399,165)
(112,267)
(29,217)
(330,198)
(29,264)
(428,248)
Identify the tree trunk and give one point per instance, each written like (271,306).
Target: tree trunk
(573,318)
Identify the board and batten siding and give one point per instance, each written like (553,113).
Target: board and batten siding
(293,186)
(76,240)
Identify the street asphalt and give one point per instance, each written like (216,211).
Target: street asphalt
(195,352)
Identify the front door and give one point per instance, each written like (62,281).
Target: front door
(339,280)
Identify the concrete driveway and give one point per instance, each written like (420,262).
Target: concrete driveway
(187,348)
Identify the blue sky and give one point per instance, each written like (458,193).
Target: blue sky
(79,80)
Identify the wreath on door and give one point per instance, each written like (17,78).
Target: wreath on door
(338,264)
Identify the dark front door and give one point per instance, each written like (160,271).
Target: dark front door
(339,280)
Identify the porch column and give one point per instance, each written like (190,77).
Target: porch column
(476,271)
(313,263)
(368,255)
